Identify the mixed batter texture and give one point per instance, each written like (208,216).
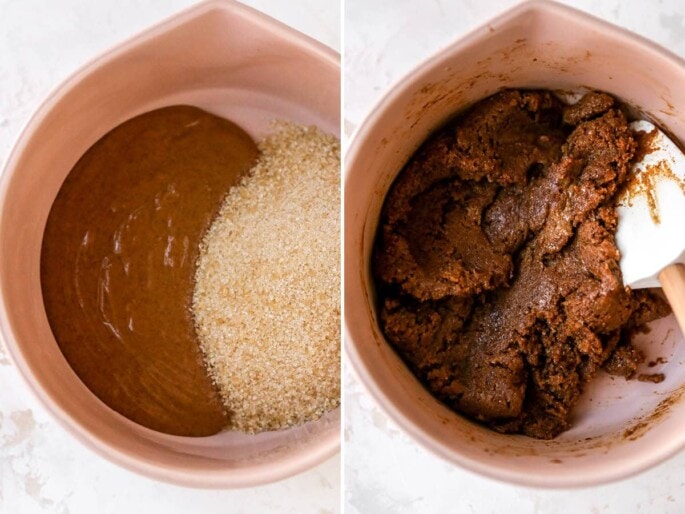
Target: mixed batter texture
(495,263)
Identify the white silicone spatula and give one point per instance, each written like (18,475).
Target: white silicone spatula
(651,222)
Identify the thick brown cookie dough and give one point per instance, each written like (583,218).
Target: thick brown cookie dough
(496,266)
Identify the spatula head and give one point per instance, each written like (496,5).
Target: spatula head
(651,209)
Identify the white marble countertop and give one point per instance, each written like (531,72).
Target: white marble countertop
(385,471)
(42,469)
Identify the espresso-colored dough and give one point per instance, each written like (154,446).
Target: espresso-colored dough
(118,263)
(497,270)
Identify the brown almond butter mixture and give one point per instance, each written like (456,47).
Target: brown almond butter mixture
(118,263)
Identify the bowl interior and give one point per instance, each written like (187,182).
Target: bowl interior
(620,427)
(229,60)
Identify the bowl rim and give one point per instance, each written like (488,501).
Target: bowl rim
(197,477)
(363,371)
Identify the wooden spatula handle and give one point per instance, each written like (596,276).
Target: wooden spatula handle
(672,279)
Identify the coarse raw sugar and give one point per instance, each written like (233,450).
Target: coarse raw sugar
(267,295)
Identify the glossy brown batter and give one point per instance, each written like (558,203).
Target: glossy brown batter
(118,263)
(497,270)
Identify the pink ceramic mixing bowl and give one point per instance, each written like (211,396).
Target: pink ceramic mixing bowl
(229,60)
(620,427)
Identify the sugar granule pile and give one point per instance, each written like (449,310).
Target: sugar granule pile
(267,295)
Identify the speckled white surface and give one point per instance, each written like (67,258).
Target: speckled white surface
(385,471)
(42,469)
